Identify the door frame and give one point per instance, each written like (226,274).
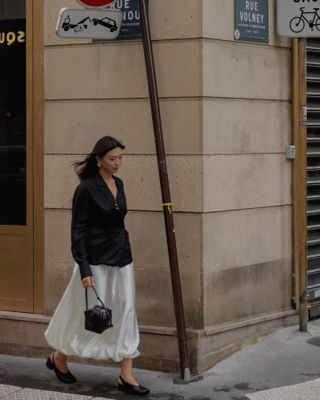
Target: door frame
(299,181)
(35,112)
(34,227)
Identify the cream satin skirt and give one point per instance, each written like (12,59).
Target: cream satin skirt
(116,288)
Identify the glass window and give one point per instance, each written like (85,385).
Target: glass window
(12,112)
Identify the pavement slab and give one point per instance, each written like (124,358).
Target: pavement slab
(8,392)
(34,394)
(303,391)
(5,390)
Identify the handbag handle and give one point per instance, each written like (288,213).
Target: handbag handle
(98,298)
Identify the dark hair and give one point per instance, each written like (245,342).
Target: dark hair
(88,167)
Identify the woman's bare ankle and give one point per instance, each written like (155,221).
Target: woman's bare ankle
(60,361)
(129,378)
(59,356)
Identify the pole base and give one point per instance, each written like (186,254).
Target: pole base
(188,378)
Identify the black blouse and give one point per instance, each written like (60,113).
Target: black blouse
(98,233)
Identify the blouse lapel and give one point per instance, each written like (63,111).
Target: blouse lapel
(103,188)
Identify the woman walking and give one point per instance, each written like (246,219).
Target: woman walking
(101,249)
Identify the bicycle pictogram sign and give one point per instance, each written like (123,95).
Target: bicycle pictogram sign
(306,18)
(298,18)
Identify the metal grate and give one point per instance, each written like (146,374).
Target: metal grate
(313,174)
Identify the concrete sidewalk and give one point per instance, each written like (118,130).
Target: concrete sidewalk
(286,357)
(309,390)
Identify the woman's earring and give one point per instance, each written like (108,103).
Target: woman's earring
(99,164)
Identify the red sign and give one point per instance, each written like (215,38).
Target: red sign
(96,3)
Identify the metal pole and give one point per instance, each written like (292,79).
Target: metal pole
(165,189)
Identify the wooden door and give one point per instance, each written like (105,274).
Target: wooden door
(17,151)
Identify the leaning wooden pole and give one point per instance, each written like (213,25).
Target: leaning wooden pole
(165,190)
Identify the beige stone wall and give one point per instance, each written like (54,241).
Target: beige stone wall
(226,118)
(97,89)
(247,239)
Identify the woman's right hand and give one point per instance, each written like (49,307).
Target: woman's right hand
(87,281)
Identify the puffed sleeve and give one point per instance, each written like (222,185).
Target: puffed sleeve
(79,230)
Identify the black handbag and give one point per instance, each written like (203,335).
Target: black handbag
(98,318)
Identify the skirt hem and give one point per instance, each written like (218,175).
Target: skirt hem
(66,332)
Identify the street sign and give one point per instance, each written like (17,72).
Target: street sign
(96,3)
(89,23)
(130,28)
(298,18)
(251,20)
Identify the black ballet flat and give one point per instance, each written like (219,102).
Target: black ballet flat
(138,390)
(66,377)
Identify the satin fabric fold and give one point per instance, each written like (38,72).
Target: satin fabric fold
(116,288)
